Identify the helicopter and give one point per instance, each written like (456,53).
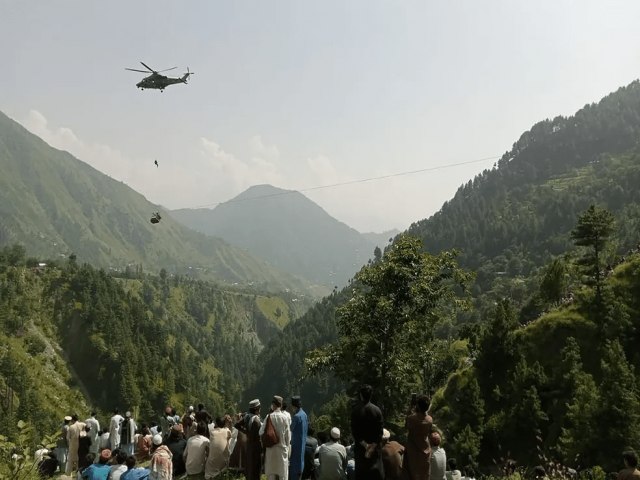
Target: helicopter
(157,81)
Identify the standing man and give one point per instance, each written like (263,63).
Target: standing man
(333,458)
(62,445)
(276,458)
(366,425)
(251,426)
(94,433)
(73,439)
(127,434)
(114,429)
(418,453)
(299,427)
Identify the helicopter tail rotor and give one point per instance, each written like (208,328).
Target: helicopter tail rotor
(185,77)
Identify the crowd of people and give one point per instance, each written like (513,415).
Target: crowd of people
(282,445)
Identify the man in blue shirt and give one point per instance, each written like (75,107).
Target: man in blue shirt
(134,473)
(100,470)
(299,426)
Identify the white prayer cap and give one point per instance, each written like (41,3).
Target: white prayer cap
(386,435)
(157,439)
(335,433)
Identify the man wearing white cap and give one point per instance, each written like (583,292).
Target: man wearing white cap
(161,467)
(276,457)
(62,445)
(333,458)
(392,454)
(94,432)
(114,429)
(128,433)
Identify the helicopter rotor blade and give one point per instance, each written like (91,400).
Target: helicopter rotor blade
(134,70)
(166,69)
(148,67)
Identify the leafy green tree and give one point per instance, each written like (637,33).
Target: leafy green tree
(593,230)
(394,307)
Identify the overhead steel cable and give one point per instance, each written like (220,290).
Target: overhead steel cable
(352,182)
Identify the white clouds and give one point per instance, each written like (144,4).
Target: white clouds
(261,150)
(230,170)
(208,173)
(323,170)
(103,157)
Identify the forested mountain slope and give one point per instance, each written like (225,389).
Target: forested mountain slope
(509,221)
(513,217)
(55,205)
(563,387)
(287,229)
(139,343)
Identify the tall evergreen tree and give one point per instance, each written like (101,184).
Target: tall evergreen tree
(593,230)
(618,415)
(498,353)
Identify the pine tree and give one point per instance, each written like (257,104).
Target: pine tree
(593,230)
(498,353)
(618,415)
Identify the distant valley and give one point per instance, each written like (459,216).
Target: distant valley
(56,205)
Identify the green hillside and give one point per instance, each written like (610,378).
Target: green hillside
(514,217)
(55,205)
(290,231)
(562,386)
(510,221)
(74,336)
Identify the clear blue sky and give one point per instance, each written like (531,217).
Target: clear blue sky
(298,93)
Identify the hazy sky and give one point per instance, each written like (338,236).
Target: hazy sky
(299,93)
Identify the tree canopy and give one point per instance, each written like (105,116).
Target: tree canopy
(390,318)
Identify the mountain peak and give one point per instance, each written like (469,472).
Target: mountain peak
(287,229)
(262,190)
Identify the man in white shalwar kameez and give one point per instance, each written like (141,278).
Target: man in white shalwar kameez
(94,433)
(114,429)
(276,458)
(73,439)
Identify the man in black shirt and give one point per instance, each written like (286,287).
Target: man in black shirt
(366,426)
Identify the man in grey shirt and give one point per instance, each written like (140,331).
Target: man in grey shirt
(438,458)
(333,458)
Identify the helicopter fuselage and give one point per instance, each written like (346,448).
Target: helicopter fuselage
(160,82)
